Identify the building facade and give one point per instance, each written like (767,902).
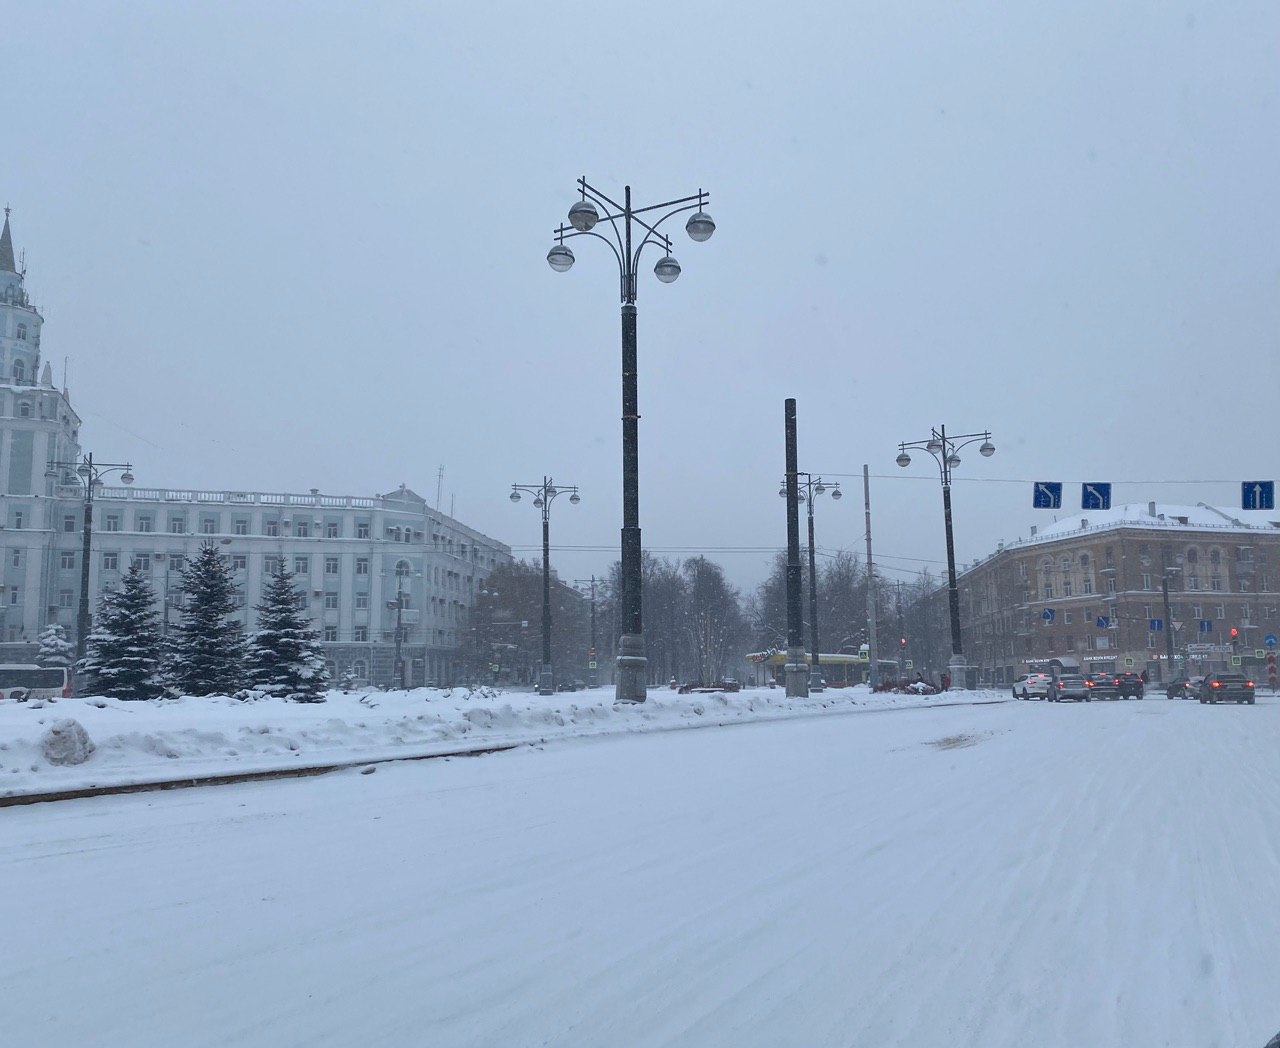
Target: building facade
(1088,593)
(381,574)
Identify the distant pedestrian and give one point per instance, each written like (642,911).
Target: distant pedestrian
(946,682)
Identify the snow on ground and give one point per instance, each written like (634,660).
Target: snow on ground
(1100,875)
(138,742)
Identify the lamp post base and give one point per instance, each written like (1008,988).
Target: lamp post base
(546,685)
(632,666)
(796,671)
(958,671)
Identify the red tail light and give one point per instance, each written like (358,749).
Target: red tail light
(1088,684)
(1248,684)
(1217,684)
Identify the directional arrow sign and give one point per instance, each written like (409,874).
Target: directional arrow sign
(1155,625)
(1206,625)
(1047,614)
(1103,622)
(1046,494)
(1258,494)
(1270,640)
(1095,496)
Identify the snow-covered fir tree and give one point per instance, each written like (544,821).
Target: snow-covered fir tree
(122,654)
(207,653)
(55,649)
(285,656)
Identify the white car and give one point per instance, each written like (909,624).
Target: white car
(1032,686)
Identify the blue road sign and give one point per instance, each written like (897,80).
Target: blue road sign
(1046,494)
(1258,494)
(1103,622)
(1047,614)
(1270,640)
(1095,496)
(1156,625)
(1206,625)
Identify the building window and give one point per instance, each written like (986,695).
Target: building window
(272,528)
(144,522)
(177,562)
(241,527)
(1151,640)
(330,602)
(24,409)
(1146,582)
(111,562)
(1215,557)
(302,529)
(1066,587)
(1146,611)
(271,565)
(362,529)
(362,602)
(1220,611)
(14,595)
(332,530)
(113,522)
(330,634)
(239,562)
(22,332)
(1110,557)
(67,559)
(177,525)
(17,519)
(208,526)
(362,565)
(331,565)
(360,635)
(66,598)
(1066,617)
(302,565)
(142,561)
(1197,611)
(1086,586)
(1111,585)
(1215,582)
(17,558)
(69,522)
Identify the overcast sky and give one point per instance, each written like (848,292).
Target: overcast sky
(289,245)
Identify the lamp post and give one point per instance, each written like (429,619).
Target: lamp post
(402,570)
(592,661)
(583,218)
(543,495)
(90,474)
(810,488)
(1168,569)
(946,452)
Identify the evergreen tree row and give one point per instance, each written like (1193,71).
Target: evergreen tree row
(128,658)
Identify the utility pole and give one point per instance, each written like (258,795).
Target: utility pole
(796,669)
(873,670)
(592,660)
(902,634)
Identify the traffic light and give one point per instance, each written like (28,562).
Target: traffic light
(903,642)
(1235,640)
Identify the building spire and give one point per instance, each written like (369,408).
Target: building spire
(7,264)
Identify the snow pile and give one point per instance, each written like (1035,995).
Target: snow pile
(44,749)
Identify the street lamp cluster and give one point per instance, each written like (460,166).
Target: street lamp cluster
(808,491)
(89,474)
(596,211)
(945,450)
(543,495)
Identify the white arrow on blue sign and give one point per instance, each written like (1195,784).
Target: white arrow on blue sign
(1206,625)
(1046,494)
(1047,614)
(1103,622)
(1095,496)
(1270,640)
(1156,625)
(1258,494)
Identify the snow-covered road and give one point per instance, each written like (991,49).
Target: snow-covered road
(1022,874)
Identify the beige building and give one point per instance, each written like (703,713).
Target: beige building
(1088,592)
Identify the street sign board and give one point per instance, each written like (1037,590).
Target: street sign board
(909,664)
(1258,494)
(1155,625)
(1259,653)
(1103,622)
(1046,494)
(1128,661)
(1095,496)
(1269,640)
(1047,614)
(1235,660)
(592,665)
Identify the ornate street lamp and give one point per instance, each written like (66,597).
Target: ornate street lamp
(945,451)
(584,217)
(543,495)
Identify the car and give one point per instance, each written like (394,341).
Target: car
(730,684)
(1226,687)
(1071,686)
(22,681)
(1103,685)
(1131,685)
(1177,688)
(1032,686)
(1192,689)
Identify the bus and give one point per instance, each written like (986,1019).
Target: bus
(20,682)
(839,669)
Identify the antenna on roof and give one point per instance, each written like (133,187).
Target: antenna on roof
(439,484)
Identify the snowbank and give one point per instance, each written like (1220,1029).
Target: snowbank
(129,743)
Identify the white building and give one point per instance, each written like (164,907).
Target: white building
(369,566)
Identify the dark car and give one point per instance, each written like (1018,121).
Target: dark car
(1226,687)
(1131,685)
(1103,686)
(1177,688)
(1071,686)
